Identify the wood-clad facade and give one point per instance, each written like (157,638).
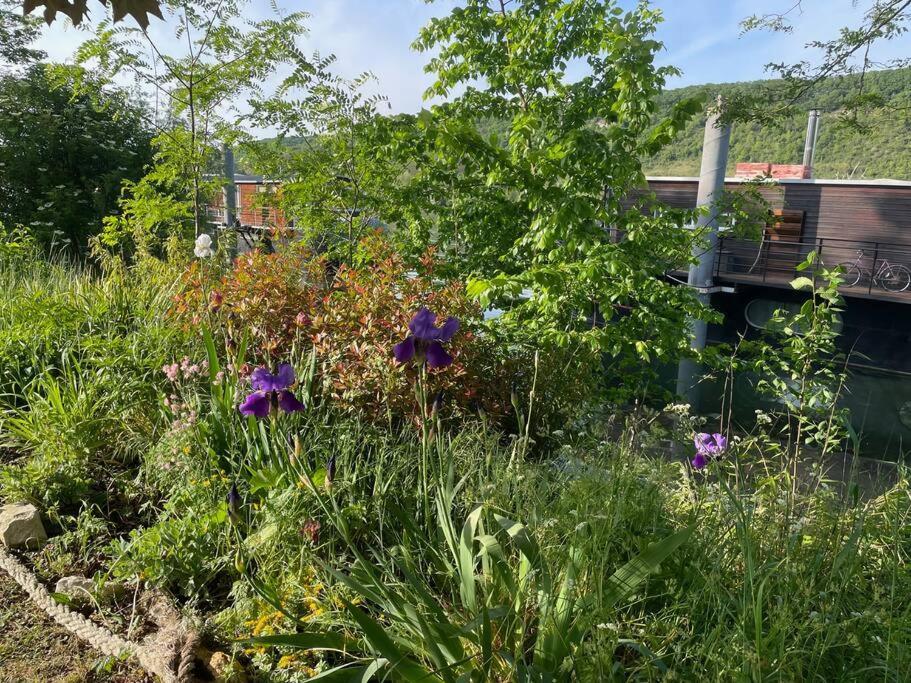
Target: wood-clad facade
(855,210)
(255,200)
(858,224)
(838,219)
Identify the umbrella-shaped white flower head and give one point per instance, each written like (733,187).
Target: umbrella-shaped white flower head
(203,247)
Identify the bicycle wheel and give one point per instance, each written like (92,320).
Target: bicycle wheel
(895,278)
(852,273)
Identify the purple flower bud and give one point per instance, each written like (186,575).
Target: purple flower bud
(330,471)
(234,504)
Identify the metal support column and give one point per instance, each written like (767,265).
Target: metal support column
(715,147)
(230,199)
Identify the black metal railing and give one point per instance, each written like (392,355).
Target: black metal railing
(874,268)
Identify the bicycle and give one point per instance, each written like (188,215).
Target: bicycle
(891,277)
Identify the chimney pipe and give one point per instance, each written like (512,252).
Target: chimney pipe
(809,148)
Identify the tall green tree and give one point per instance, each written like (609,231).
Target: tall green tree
(64,152)
(17,33)
(195,91)
(542,211)
(334,177)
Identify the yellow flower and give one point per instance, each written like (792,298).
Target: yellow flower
(287,661)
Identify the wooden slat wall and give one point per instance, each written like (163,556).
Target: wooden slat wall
(875,213)
(260,216)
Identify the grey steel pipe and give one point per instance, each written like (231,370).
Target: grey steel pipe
(715,146)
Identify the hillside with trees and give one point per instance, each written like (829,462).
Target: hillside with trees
(878,146)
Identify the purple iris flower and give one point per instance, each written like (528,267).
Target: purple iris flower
(271,392)
(708,446)
(426,340)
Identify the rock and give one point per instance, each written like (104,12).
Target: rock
(20,526)
(79,588)
(223,668)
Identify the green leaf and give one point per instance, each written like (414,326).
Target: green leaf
(476,288)
(402,667)
(211,354)
(626,579)
(802,283)
(353,672)
(466,559)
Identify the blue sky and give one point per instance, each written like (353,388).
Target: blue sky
(701,37)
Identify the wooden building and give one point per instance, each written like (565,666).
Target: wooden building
(862,222)
(867,222)
(256,202)
(855,210)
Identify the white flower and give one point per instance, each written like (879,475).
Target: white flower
(203,247)
(681,409)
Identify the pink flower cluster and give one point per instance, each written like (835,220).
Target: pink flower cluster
(184,416)
(185,369)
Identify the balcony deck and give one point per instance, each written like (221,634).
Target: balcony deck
(772,263)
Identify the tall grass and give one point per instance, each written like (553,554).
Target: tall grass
(80,355)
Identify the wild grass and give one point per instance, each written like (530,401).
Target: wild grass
(80,359)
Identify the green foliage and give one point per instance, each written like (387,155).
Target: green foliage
(66,145)
(746,210)
(799,366)
(187,547)
(852,51)
(539,210)
(516,617)
(348,537)
(76,361)
(292,301)
(16,243)
(334,176)
(17,33)
(197,88)
(153,210)
(878,149)
(776,561)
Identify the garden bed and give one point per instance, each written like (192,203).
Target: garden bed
(304,490)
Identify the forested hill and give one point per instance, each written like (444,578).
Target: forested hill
(882,152)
